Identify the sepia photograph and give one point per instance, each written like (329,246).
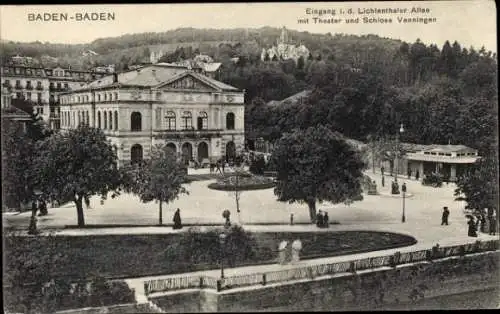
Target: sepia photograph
(249,157)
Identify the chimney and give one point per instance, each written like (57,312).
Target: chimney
(115,78)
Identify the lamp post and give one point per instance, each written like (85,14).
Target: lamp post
(398,144)
(403,188)
(222,239)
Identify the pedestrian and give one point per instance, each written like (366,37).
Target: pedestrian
(325,220)
(409,173)
(383,181)
(444,217)
(42,207)
(382,170)
(223,166)
(177,219)
(87,202)
(483,222)
(34,208)
(478,219)
(472,227)
(319,219)
(291,219)
(493,224)
(417,175)
(218,167)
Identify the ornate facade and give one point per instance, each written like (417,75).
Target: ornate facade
(199,118)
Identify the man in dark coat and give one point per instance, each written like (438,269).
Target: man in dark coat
(444,217)
(177,219)
(472,227)
(417,175)
(319,219)
(325,220)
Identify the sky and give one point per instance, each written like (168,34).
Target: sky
(471,23)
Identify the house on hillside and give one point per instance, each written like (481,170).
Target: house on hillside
(89,53)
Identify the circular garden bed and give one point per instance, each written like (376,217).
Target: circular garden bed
(242,182)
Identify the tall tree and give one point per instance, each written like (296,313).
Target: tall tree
(77,165)
(158,179)
(479,186)
(317,164)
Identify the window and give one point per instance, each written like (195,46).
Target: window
(110,117)
(116,96)
(202,121)
(135,121)
(98,97)
(99,119)
(187,120)
(105,120)
(230,121)
(170,119)
(66,86)
(105,96)
(39,97)
(78,99)
(38,84)
(116,120)
(136,152)
(28,95)
(18,83)
(58,86)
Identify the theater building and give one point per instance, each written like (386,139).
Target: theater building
(197,117)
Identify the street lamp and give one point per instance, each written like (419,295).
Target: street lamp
(222,240)
(401,130)
(403,188)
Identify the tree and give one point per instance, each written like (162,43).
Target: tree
(317,164)
(18,151)
(159,178)
(479,186)
(75,166)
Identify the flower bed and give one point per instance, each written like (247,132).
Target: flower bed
(242,182)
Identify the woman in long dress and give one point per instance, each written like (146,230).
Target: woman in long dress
(177,219)
(472,227)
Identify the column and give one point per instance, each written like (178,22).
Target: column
(453,172)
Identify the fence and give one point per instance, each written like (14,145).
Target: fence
(310,272)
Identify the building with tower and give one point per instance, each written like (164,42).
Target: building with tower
(285,49)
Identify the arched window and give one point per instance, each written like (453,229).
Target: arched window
(202,121)
(99,119)
(105,96)
(136,153)
(230,121)
(135,121)
(116,96)
(105,120)
(78,99)
(98,97)
(116,120)
(187,120)
(170,117)
(110,117)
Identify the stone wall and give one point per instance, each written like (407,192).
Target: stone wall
(365,290)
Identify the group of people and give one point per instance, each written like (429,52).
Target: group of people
(322,219)
(218,166)
(477,222)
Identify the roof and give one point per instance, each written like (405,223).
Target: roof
(207,80)
(450,148)
(153,75)
(442,159)
(211,67)
(292,99)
